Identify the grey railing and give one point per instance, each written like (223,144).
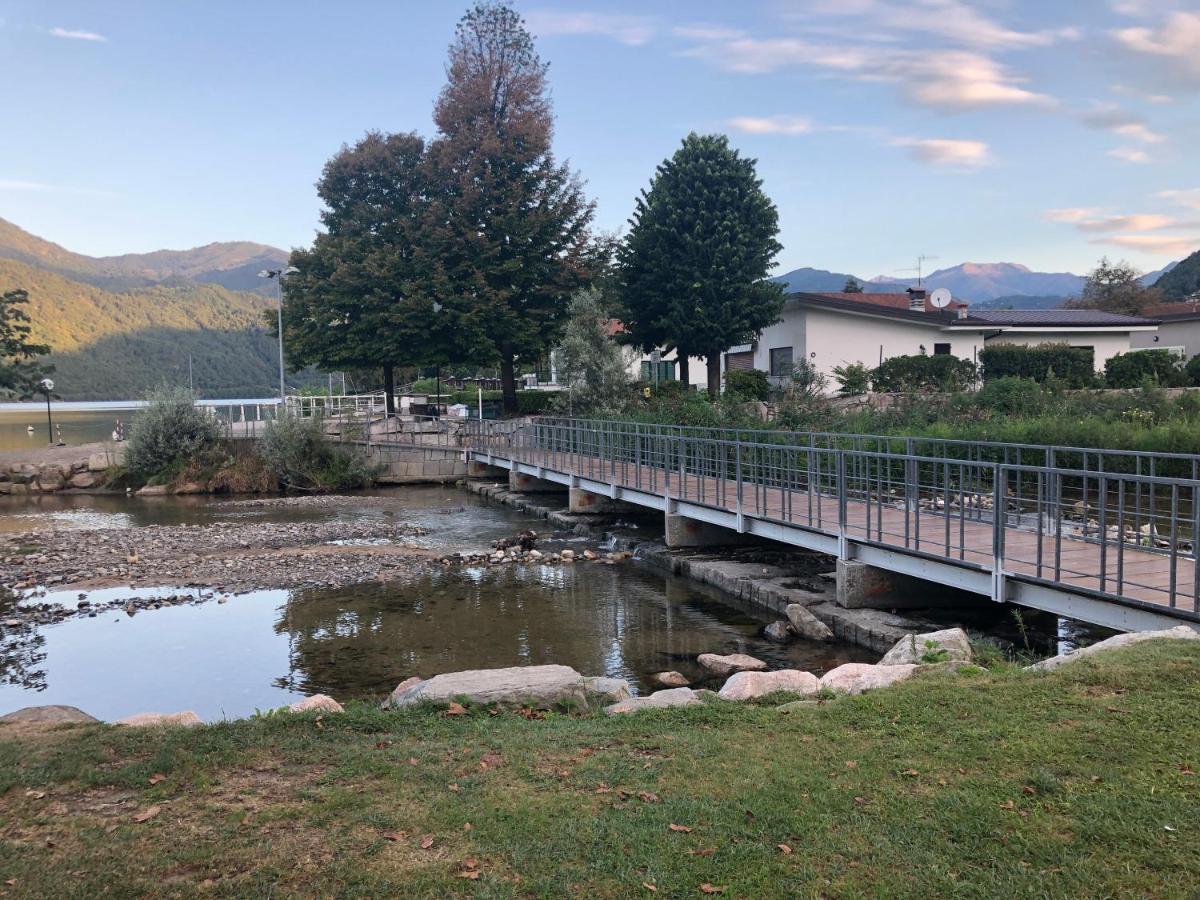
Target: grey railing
(1104,522)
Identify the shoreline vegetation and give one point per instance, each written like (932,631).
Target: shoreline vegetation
(1076,783)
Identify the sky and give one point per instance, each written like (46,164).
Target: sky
(1044,132)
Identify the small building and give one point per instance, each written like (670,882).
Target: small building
(1178,329)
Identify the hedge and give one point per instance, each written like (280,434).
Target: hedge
(1074,365)
(749,384)
(941,372)
(1130,370)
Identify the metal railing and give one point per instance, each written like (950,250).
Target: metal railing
(338,404)
(1104,522)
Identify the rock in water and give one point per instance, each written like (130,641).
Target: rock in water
(537,686)
(670,679)
(321,702)
(186,719)
(727,665)
(607,690)
(49,715)
(748,685)
(948,645)
(780,632)
(854,678)
(806,625)
(657,700)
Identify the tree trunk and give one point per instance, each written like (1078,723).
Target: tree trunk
(389,387)
(508,384)
(684,375)
(714,374)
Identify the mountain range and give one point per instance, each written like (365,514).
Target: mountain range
(983,284)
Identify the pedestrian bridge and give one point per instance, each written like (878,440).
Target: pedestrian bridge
(1102,536)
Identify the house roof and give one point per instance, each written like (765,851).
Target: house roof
(1175,311)
(1057,318)
(896,301)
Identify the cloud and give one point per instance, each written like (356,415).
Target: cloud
(1142,222)
(707,32)
(74,35)
(1165,244)
(772,124)
(633,31)
(1174,47)
(949,153)
(1113,119)
(1072,214)
(1188,198)
(1130,155)
(11,185)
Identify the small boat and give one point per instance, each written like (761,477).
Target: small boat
(29,428)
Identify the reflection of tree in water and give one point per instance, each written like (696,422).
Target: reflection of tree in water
(600,619)
(20,650)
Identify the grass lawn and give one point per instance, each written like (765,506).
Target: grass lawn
(1077,784)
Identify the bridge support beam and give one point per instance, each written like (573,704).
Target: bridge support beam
(680,531)
(860,586)
(589,503)
(476,469)
(529,484)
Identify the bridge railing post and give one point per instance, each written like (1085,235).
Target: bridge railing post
(999,524)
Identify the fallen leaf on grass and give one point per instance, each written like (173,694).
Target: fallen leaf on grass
(147,814)
(648,796)
(467,826)
(851,764)
(1186,770)
(910,773)
(859,801)
(490,761)
(1007,804)
(156,778)
(1028,790)
(471,874)
(36,795)
(456,709)
(704,851)
(453,787)
(683,828)
(784,849)
(395,836)
(413,761)
(648,886)
(427,842)
(382,745)
(707,888)
(10,882)
(469,868)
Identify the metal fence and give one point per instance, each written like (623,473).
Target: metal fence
(1105,522)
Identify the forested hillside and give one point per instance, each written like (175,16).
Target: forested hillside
(1182,281)
(116,345)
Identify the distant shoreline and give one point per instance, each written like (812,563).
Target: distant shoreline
(85,405)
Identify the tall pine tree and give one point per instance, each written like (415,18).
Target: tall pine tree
(507,227)
(694,265)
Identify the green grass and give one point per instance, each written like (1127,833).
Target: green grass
(1074,784)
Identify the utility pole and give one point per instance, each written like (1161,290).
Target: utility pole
(278,275)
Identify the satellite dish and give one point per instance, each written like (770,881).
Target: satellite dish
(941,298)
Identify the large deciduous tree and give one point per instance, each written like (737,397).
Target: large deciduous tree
(1116,288)
(695,263)
(507,226)
(19,373)
(360,299)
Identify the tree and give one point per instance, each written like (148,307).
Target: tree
(695,262)
(19,374)
(507,226)
(1115,288)
(852,286)
(359,299)
(593,365)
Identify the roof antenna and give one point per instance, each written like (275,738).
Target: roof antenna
(919,266)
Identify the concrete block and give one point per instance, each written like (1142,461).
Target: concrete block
(860,586)
(477,469)
(529,484)
(581,501)
(680,531)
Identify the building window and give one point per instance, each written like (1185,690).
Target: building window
(941,349)
(781,361)
(652,372)
(739,361)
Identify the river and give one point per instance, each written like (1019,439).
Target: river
(262,649)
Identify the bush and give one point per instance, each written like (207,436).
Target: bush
(944,372)
(1192,371)
(534,403)
(302,457)
(168,433)
(854,378)
(1073,365)
(1129,370)
(747,384)
(1015,396)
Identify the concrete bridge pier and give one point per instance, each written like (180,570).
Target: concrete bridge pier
(529,484)
(590,503)
(680,531)
(860,586)
(476,469)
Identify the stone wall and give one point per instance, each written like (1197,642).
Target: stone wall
(22,478)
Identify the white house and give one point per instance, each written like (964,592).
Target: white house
(831,330)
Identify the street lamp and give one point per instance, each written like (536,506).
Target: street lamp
(47,386)
(278,275)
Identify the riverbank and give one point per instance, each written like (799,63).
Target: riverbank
(1079,783)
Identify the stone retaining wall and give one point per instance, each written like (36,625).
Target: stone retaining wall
(46,478)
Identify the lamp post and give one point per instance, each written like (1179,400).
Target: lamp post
(47,386)
(278,275)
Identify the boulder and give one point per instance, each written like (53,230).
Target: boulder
(320,702)
(400,689)
(538,686)
(670,679)
(98,462)
(48,715)
(658,700)
(186,719)
(913,649)
(1179,632)
(726,665)
(780,632)
(82,480)
(152,490)
(607,690)
(854,678)
(50,479)
(748,685)
(806,625)
(191,487)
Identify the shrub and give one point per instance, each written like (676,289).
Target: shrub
(1073,365)
(1129,370)
(808,382)
(302,457)
(168,433)
(942,372)
(854,378)
(1015,396)
(534,403)
(1192,370)
(747,384)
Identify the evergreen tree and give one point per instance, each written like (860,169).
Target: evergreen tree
(695,263)
(852,286)
(19,374)
(507,234)
(592,365)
